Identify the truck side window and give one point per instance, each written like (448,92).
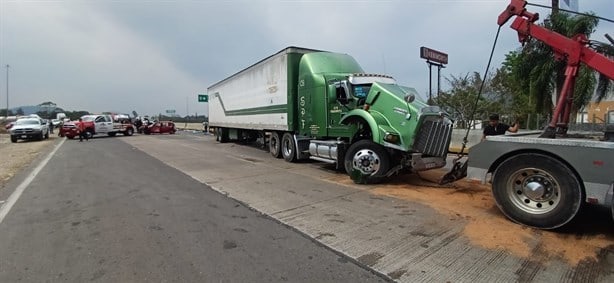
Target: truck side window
(99,119)
(342,95)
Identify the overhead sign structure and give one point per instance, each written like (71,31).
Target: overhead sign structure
(203,98)
(172,111)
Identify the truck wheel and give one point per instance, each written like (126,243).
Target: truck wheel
(47,135)
(366,162)
(288,147)
(275,145)
(537,190)
(89,133)
(13,139)
(111,134)
(41,136)
(129,132)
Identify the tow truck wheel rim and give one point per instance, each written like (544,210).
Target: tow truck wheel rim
(366,161)
(534,190)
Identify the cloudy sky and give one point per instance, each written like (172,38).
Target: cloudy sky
(154,55)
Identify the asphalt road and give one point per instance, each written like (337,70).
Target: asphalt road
(105,211)
(435,235)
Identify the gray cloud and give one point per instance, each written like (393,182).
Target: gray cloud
(150,56)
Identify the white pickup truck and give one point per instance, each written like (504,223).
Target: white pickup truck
(100,124)
(28,128)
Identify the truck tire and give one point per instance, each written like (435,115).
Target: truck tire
(112,134)
(41,136)
(13,139)
(89,133)
(275,145)
(367,162)
(288,147)
(129,132)
(47,135)
(537,190)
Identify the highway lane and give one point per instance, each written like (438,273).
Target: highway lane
(105,211)
(404,228)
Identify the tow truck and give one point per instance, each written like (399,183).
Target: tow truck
(543,180)
(110,125)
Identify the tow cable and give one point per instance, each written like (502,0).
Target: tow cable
(459,169)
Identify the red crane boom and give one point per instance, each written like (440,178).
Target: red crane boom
(572,50)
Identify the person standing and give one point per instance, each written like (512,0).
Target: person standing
(82,132)
(50,126)
(494,128)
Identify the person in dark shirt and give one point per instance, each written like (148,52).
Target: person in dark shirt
(494,128)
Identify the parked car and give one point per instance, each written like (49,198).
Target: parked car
(29,128)
(9,125)
(159,127)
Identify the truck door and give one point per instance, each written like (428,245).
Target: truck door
(339,102)
(104,124)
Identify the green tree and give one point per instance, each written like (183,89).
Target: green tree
(460,100)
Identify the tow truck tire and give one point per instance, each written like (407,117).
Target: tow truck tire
(537,190)
(366,162)
(275,145)
(129,132)
(288,147)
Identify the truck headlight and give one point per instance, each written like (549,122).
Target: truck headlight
(391,138)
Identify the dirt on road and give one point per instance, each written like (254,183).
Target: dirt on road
(15,156)
(579,243)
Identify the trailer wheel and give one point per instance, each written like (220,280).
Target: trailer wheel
(366,162)
(129,132)
(537,190)
(288,147)
(275,145)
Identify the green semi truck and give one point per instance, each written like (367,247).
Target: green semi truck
(311,104)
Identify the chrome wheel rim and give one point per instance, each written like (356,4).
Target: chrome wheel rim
(366,161)
(533,190)
(287,147)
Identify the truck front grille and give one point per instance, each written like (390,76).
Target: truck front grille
(23,131)
(434,137)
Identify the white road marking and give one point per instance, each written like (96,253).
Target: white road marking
(12,199)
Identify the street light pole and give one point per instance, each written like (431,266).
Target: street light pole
(7,92)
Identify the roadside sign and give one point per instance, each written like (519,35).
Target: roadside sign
(172,111)
(433,55)
(203,98)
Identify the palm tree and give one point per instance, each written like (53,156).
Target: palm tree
(538,72)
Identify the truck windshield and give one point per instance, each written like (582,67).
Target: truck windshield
(361,91)
(27,122)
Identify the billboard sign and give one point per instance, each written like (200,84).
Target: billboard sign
(433,55)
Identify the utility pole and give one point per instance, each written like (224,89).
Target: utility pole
(7,93)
